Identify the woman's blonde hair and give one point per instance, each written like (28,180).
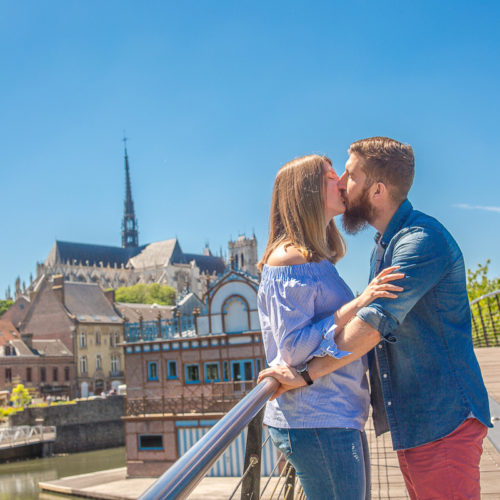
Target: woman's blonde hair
(297,212)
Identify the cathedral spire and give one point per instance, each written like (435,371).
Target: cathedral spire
(130,233)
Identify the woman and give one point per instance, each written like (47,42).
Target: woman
(302,301)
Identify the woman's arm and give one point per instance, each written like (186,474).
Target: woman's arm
(379,287)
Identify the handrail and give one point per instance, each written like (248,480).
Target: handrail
(485,296)
(180,479)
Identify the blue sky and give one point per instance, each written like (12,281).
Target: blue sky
(216,95)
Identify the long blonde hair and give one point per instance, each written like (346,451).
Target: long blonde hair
(297,212)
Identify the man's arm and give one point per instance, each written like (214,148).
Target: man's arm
(358,337)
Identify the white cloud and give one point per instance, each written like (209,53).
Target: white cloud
(477,207)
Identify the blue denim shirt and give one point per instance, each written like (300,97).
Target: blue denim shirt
(425,380)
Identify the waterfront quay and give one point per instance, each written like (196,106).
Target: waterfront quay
(387,481)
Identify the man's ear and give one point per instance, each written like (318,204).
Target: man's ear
(380,191)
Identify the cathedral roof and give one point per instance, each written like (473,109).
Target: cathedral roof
(64,251)
(160,253)
(207,263)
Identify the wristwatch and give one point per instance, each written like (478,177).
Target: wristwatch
(302,371)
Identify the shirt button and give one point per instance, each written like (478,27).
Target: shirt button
(380,346)
(389,403)
(385,375)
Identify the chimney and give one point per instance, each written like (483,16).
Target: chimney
(27,338)
(58,287)
(110,295)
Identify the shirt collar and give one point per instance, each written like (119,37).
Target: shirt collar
(396,223)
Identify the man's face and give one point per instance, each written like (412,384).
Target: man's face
(355,189)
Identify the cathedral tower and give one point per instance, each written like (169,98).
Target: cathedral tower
(130,228)
(243,254)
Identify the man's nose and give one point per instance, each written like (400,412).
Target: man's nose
(342,183)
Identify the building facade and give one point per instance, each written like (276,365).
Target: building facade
(185,373)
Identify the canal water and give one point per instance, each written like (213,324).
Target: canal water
(19,480)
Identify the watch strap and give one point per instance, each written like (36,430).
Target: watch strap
(302,371)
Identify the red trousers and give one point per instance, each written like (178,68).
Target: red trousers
(446,469)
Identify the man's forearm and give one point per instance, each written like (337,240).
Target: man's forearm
(358,337)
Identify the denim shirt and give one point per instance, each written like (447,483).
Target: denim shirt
(296,306)
(425,380)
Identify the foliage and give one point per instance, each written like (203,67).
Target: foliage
(4,305)
(6,412)
(20,396)
(478,283)
(146,294)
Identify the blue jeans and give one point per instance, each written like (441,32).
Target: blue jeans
(331,463)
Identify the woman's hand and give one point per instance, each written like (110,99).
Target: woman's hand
(285,375)
(381,287)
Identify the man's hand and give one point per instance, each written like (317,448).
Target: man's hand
(285,375)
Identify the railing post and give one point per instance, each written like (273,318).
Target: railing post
(485,332)
(250,487)
(289,482)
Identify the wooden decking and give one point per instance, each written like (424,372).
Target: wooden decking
(387,481)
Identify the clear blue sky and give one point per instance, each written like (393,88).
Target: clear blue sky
(216,95)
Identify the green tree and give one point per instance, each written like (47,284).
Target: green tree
(478,283)
(146,294)
(4,305)
(20,396)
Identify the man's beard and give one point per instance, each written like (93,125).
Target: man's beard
(358,213)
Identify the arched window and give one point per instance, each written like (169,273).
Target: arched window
(242,261)
(235,316)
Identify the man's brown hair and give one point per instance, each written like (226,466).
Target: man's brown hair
(387,161)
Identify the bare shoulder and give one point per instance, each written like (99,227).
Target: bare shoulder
(285,255)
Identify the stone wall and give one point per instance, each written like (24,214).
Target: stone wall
(84,426)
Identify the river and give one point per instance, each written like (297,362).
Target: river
(19,480)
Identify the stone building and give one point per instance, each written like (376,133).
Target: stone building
(84,319)
(243,254)
(184,373)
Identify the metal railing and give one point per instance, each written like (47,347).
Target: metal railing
(485,312)
(24,434)
(178,481)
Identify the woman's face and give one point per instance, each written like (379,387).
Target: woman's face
(334,203)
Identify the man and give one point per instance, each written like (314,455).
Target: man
(426,383)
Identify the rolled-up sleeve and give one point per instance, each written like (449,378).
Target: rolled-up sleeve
(291,309)
(423,257)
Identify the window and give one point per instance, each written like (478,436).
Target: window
(98,362)
(172,369)
(115,363)
(152,370)
(83,364)
(8,374)
(83,340)
(43,374)
(114,339)
(97,338)
(55,374)
(193,374)
(151,442)
(28,374)
(258,365)
(212,372)
(66,373)
(225,370)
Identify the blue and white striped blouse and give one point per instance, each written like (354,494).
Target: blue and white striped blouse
(296,307)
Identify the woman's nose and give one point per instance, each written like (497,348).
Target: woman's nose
(341,184)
